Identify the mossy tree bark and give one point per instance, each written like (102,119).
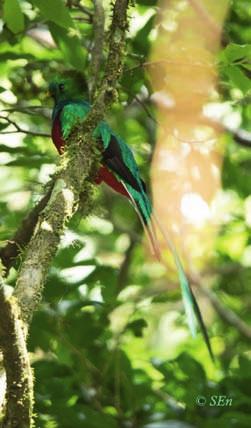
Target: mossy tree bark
(19,394)
(73,176)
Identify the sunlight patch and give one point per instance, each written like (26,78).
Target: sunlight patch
(195,209)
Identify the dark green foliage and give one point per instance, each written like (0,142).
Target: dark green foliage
(13,16)
(70,47)
(106,357)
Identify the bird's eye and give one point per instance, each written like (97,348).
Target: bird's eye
(61,87)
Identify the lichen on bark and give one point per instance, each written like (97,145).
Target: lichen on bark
(63,203)
(72,181)
(19,393)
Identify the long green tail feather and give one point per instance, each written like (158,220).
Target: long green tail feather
(148,227)
(148,219)
(191,306)
(192,310)
(202,325)
(187,297)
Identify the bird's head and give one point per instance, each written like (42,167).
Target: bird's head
(61,90)
(68,85)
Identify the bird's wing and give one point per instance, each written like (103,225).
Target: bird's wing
(113,158)
(103,133)
(71,114)
(74,112)
(119,157)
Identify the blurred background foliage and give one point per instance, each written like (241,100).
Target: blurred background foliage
(109,344)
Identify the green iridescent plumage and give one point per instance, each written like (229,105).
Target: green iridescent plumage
(71,115)
(72,111)
(118,158)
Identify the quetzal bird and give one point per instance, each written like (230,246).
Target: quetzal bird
(119,170)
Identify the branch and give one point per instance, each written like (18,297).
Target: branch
(225,313)
(83,9)
(242,137)
(19,129)
(82,19)
(77,165)
(97,50)
(23,235)
(147,111)
(125,265)
(30,110)
(19,395)
(149,64)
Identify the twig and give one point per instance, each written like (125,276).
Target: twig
(149,114)
(171,62)
(125,265)
(242,137)
(82,19)
(83,9)
(9,253)
(30,110)
(23,131)
(98,42)
(19,392)
(225,313)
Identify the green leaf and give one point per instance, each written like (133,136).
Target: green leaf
(234,52)
(13,16)
(244,366)
(238,78)
(247,66)
(70,46)
(2,89)
(191,367)
(234,177)
(55,11)
(41,331)
(141,42)
(132,81)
